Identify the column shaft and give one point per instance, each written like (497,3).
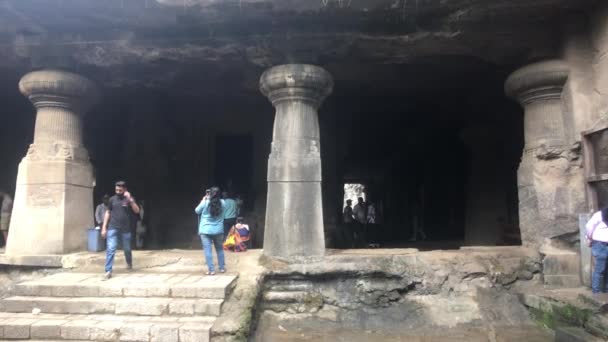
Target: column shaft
(57,124)
(54,194)
(294,210)
(544,172)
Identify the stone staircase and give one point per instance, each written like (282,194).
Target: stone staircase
(165,307)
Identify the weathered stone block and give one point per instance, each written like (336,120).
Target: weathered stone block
(33,290)
(561,264)
(135,332)
(573,334)
(164,333)
(17,304)
(211,307)
(158,291)
(110,291)
(183,291)
(135,291)
(18,328)
(47,329)
(193,333)
(76,291)
(563,280)
(148,307)
(77,330)
(598,325)
(181,307)
(106,331)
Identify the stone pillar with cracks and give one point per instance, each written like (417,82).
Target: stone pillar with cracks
(294,211)
(54,194)
(544,172)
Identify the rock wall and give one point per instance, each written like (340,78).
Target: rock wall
(403,291)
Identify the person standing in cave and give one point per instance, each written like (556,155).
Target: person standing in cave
(360,213)
(347,215)
(100,210)
(348,235)
(117,224)
(230,212)
(5,214)
(596,232)
(211,228)
(140,227)
(239,204)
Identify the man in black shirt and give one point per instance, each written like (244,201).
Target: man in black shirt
(117,223)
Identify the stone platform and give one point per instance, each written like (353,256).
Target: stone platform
(574,313)
(129,307)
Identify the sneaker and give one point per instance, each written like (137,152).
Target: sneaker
(129,267)
(107,276)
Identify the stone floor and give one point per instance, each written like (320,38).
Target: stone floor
(150,293)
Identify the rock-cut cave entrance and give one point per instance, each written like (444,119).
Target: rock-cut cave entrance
(435,142)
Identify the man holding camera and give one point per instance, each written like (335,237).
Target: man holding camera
(117,224)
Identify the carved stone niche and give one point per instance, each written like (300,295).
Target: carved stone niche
(53,204)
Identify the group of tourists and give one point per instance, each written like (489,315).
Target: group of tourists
(219,226)
(357,220)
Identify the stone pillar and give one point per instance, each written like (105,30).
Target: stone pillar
(54,194)
(486,201)
(599,40)
(543,179)
(294,210)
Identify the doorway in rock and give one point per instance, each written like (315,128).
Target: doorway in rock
(441,155)
(233,164)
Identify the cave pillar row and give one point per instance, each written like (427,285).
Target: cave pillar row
(486,205)
(294,209)
(53,204)
(546,176)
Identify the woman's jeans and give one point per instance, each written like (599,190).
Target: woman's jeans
(600,253)
(112,237)
(217,240)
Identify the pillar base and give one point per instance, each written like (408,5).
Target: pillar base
(294,220)
(52,208)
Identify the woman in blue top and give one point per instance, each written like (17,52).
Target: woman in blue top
(211,227)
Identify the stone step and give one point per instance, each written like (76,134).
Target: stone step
(129,285)
(574,334)
(145,306)
(54,327)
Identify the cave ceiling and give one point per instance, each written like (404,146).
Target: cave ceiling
(178,43)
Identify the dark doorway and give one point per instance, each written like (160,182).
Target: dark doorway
(234,162)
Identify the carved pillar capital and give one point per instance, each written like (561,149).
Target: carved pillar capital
(57,88)
(538,88)
(296,82)
(61,98)
(538,81)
